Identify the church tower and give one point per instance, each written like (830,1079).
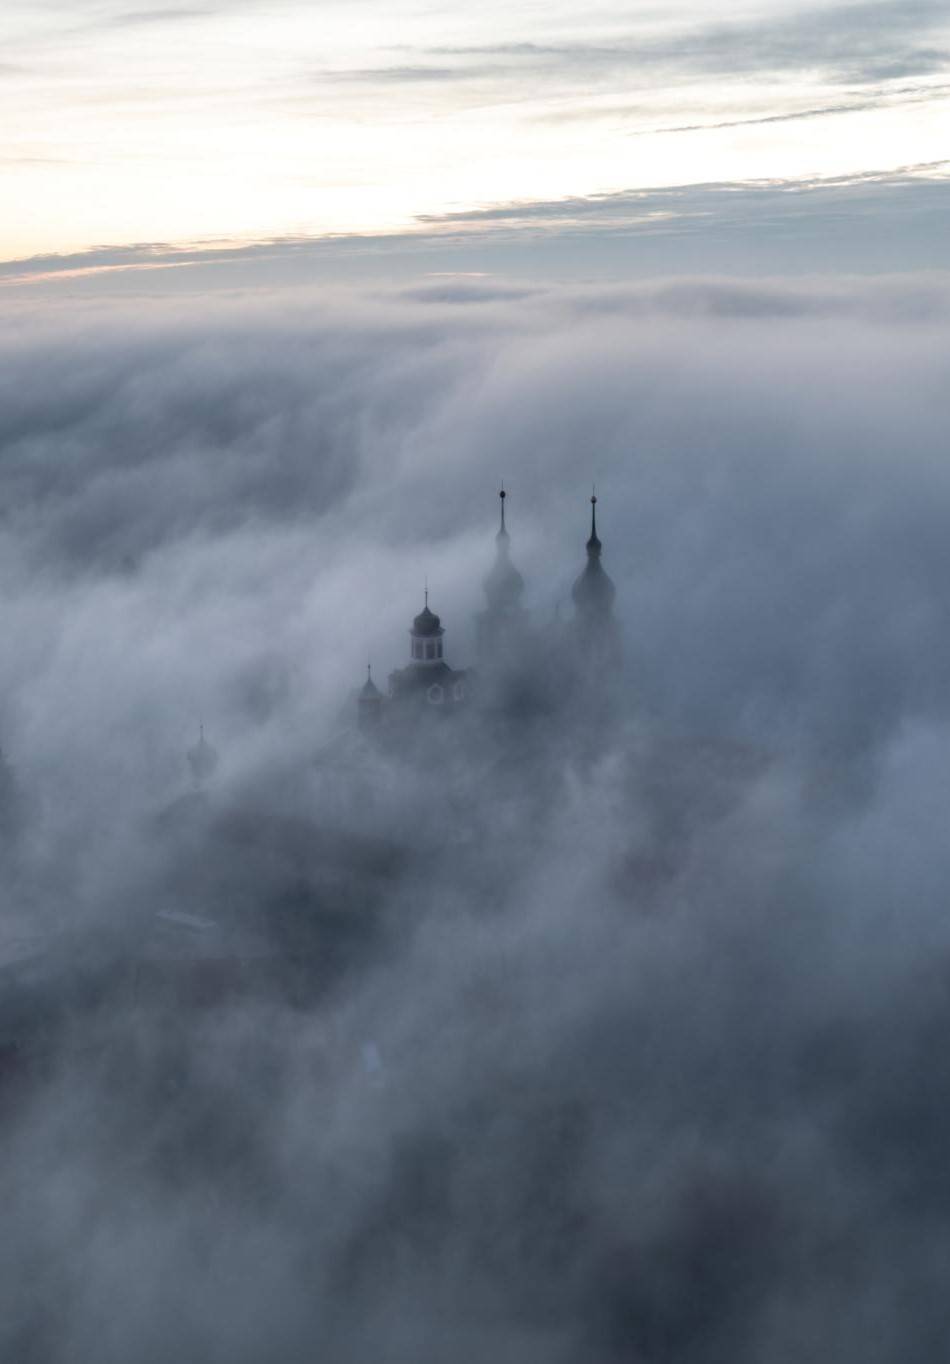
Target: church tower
(594,624)
(428,680)
(500,627)
(426,634)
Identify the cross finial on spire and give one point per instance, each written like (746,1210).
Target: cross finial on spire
(502,532)
(593,544)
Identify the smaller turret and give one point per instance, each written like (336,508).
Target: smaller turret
(202,760)
(369,703)
(504,584)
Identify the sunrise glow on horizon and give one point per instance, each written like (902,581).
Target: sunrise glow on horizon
(232,122)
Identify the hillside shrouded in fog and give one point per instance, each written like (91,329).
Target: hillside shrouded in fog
(608,1029)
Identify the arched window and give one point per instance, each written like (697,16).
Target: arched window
(430,649)
(417,648)
(458,691)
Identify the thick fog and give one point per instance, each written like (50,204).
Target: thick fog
(638,1052)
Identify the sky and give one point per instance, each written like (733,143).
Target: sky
(137,132)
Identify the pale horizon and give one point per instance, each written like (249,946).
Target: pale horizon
(224,126)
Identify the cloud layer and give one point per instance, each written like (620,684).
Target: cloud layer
(661,1061)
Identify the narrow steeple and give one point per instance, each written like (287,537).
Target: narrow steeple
(593,544)
(593,592)
(503,586)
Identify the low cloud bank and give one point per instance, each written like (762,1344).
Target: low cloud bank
(650,1069)
(877,222)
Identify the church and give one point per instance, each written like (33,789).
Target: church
(428,791)
(507,648)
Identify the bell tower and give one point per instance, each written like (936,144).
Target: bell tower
(427,678)
(369,703)
(426,637)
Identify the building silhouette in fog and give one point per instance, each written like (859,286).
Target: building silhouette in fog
(503,625)
(515,666)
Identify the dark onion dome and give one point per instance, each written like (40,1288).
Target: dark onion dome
(202,759)
(504,584)
(593,591)
(369,690)
(427,623)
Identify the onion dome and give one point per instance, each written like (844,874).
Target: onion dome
(593,592)
(202,759)
(427,623)
(504,584)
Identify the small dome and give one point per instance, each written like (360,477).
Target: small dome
(427,623)
(504,584)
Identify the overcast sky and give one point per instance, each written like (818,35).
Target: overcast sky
(233,122)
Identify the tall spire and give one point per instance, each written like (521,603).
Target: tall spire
(504,584)
(593,591)
(593,544)
(500,626)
